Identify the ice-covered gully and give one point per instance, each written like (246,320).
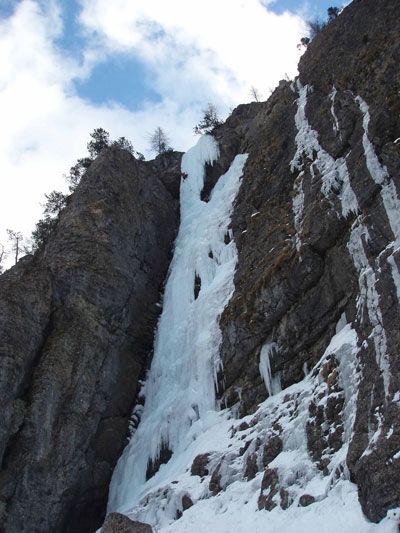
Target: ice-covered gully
(222,474)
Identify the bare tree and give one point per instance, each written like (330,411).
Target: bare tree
(255,94)
(159,141)
(16,240)
(3,255)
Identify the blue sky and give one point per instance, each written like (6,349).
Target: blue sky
(312,8)
(129,66)
(108,81)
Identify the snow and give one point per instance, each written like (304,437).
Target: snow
(335,179)
(235,511)
(380,174)
(235,508)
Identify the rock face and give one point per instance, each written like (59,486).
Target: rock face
(317,228)
(76,327)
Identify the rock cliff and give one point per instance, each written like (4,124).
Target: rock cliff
(77,324)
(317,227)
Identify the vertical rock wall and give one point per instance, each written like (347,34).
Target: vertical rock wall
(76,329)
(317,229)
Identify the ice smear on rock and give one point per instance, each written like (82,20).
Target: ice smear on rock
(334,173)
(380,175)
(335,184)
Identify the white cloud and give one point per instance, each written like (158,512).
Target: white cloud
(224,45)
(194,52)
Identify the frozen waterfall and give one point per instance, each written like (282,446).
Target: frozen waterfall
(179,390)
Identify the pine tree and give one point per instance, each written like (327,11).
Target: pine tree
(55,202)
(333,12)
(123,143)
(209,121)
(100,140)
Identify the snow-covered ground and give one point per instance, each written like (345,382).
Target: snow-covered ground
(235,507)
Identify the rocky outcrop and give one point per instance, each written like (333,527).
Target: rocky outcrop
(119,523)
(76,328)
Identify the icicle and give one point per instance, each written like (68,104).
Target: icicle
(272,384)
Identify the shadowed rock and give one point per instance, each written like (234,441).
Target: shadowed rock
(76,328)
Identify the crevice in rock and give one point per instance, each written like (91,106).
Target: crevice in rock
(164,456)
(197,286)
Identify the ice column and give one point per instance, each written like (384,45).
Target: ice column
(180,387)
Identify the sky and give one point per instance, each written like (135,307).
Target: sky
(128,66)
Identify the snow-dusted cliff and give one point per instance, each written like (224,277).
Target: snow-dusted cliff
(270,397)
(284,467)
